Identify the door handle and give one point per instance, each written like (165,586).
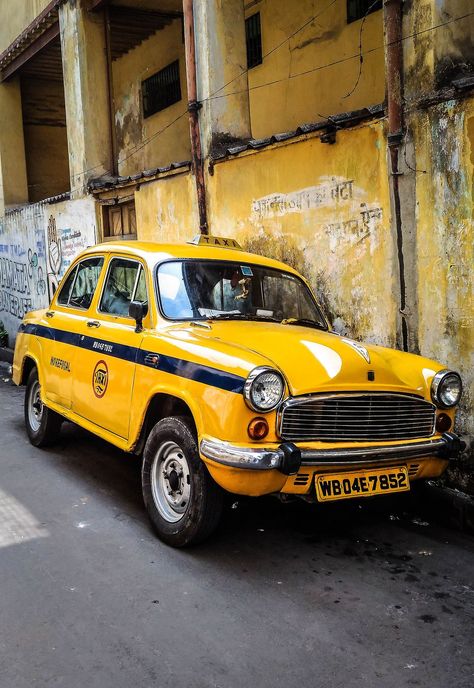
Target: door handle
(50,314)
(93,323)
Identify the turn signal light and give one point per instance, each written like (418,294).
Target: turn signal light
(258,429)
(443,422)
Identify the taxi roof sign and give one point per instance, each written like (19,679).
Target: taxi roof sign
(219,242)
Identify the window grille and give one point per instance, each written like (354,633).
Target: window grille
(253,35)
(161,90)
(358,9)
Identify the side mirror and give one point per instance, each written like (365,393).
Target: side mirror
(138,310)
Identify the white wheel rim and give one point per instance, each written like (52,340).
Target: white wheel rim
(35,407)
(170,481)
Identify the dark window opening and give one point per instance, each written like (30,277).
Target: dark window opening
(161,90)
(358,9)
(253,35)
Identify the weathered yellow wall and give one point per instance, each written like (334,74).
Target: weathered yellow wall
(325,210)
(288,102)
(46,152)
(444,139)
(12,146)
(15,16)
(166,209)
(132,129)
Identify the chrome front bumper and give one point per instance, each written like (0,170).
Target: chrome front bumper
(287,458)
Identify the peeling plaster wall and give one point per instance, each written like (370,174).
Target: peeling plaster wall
(325,210)
(444,139)
(158,51)
(290,100)
(37,244)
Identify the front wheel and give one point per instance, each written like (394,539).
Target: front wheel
(183,502)
(42,424)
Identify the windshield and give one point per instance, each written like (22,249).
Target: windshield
(204,290)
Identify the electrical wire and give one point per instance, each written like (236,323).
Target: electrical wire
(333,63)
(361,56)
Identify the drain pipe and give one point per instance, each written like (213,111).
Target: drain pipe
(393,19)
(193,108)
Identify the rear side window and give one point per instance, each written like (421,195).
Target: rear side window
(80,285)
(125,283)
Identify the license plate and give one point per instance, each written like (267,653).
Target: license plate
(332,486)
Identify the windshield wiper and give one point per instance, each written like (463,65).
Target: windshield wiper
(242,316)
(302,321)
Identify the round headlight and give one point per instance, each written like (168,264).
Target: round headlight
(263,389)
(446,388)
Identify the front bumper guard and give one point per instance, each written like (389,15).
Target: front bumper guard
(288,458)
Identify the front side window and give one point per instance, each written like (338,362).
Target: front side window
(125,283)
(80,285)
(199,290)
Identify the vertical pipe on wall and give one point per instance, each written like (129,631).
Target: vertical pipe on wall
(193,109)
(110,89)
(393,19)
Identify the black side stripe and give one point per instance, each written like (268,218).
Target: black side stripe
(167,364)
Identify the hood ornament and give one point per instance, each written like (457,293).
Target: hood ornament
(361,350)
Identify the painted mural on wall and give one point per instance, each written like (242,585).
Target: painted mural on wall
(37,245)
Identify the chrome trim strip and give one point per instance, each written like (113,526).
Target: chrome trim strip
(417,450)
(241,457)
(268,459)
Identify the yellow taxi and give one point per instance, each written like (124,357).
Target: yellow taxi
(220,369)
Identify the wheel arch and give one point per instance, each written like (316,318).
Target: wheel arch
(29,362)
(161,405)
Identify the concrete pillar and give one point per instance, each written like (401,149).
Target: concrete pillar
(221,58)
(86,94)
(13,179)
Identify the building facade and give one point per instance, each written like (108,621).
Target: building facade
(336,135)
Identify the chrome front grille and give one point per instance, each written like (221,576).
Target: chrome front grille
(356,417)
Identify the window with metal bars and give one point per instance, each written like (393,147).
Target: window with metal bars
(161,90)
(358,9)
(253,35)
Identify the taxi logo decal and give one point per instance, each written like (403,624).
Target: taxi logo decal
(361,350)
(100,379)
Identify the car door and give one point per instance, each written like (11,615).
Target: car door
(65,320)
(102,389)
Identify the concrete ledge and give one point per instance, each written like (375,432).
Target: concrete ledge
(449,506)
(6,355)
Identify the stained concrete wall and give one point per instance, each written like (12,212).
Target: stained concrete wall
(37,244)
(444,140)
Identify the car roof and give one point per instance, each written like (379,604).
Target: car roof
(154,252)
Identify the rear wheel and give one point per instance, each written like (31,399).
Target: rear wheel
(42,424)
(183,502)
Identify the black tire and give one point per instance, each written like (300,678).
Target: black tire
(42,424)
(183,501)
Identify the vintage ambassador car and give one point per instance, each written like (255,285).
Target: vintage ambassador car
(219,368)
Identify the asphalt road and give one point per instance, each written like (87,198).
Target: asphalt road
(284,595)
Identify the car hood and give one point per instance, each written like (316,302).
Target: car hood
(314,360)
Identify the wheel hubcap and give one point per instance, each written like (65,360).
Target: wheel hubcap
(170,481)
(35,407)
